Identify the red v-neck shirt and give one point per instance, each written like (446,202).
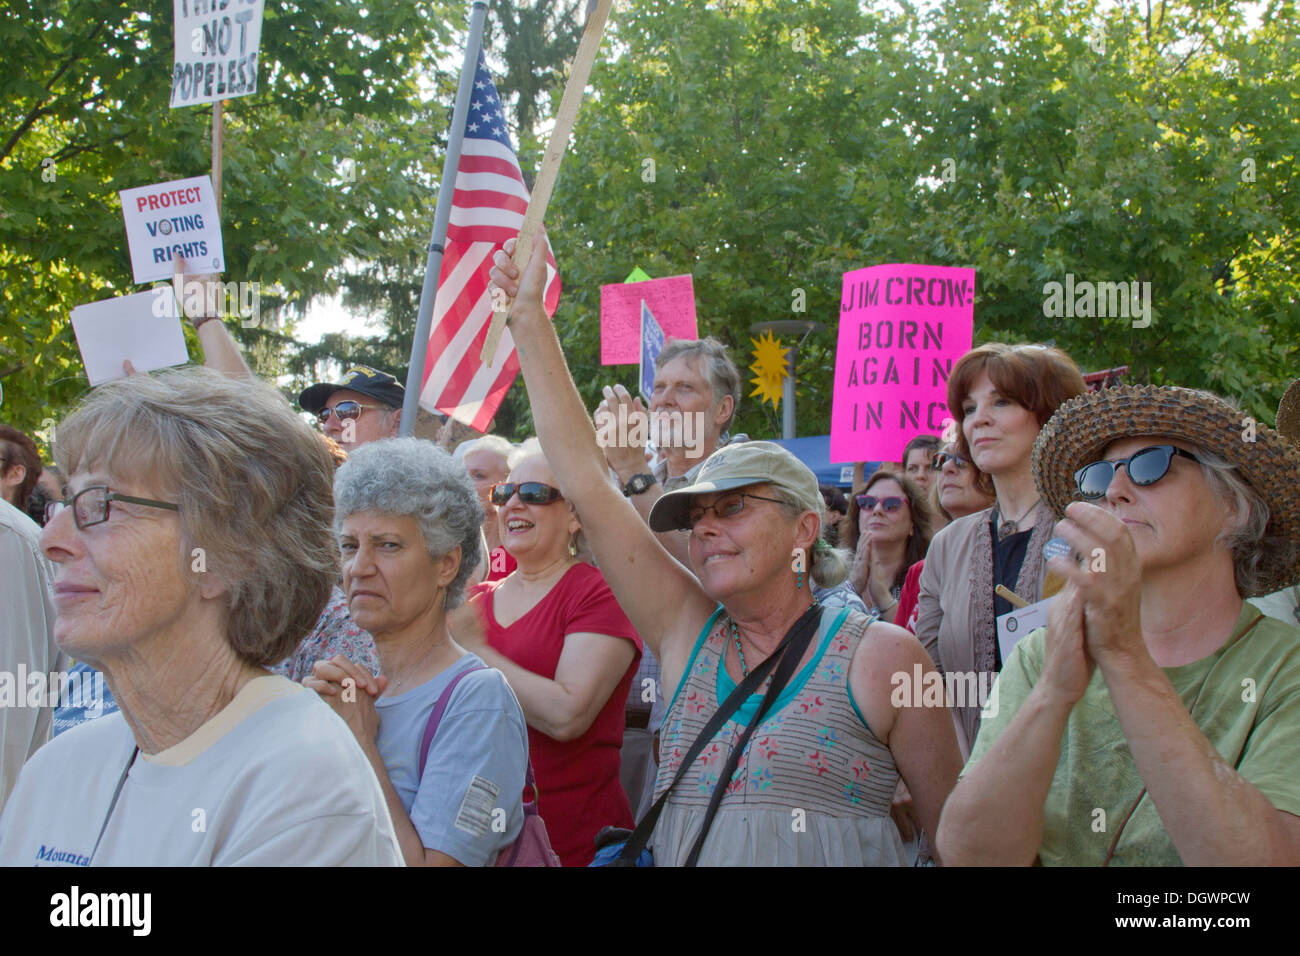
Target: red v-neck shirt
(578,780)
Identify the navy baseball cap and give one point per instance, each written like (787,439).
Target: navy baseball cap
(359,378)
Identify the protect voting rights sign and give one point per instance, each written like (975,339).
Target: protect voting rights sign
(167,220)
(652,343)
(216,50)
(144,328)
(902,328)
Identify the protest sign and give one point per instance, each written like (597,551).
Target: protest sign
(216,49)
(167,220)
(652,343)
(672,300)
(145,328)
(902,328)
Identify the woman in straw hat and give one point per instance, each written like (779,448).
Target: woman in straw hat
(1156,719)
(813,786)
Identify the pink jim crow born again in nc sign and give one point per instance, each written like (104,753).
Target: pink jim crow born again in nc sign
(902,329)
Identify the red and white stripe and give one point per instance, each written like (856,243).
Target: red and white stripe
(487,209)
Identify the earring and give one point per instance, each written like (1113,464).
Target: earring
(799,580)
(573,548)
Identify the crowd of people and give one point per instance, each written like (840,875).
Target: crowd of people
(273,644)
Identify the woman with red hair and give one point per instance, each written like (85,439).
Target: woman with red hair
(1001,396)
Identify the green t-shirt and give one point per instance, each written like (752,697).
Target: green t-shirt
(1247,703)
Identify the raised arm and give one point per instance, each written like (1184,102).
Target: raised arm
(200,297)
(663,600)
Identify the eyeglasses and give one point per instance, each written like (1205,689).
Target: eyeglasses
(530,493)
(724,506)
(869,502)
(344,411)
(90,505)
(942,458)
(1145,467)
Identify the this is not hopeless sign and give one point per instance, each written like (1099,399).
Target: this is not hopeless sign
(902,328)
(216,49)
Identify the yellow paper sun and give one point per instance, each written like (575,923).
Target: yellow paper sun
(769,368)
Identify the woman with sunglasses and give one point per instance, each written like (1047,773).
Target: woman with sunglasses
(194,551)
(1001,396)
(553,628)
(814,783)
(888,530)
(1156,701)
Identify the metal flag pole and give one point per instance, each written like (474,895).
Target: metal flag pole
(441,216)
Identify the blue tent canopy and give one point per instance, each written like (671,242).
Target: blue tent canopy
(815,452)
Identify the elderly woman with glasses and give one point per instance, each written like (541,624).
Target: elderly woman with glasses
(407,520)
(1156,719)
(746,777)
(195,552)
(554,629)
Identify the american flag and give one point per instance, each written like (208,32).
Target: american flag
(488,208)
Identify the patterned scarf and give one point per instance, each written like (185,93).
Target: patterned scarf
(1028,584)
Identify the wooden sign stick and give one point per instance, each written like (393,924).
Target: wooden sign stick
(559,142)
(218,138)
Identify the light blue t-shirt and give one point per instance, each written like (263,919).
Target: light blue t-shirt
(469,803)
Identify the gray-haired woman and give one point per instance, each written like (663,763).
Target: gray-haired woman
(407,520)
(195,550)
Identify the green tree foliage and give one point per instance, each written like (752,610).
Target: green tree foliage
(1028,140)
(321,165)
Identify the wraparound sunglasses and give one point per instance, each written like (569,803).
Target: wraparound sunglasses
(530,493)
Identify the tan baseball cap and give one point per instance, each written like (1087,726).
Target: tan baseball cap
(735,466)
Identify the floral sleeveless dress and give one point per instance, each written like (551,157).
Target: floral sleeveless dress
(813,786)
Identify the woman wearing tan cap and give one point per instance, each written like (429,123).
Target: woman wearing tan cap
(1156,719)
(766,757)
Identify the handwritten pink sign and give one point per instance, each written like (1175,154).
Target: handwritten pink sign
(672,300)
(902,329)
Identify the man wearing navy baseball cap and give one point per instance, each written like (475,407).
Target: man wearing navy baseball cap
(364,406)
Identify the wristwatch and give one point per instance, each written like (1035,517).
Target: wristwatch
(638,484)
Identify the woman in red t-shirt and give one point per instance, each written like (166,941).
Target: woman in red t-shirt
(568,650)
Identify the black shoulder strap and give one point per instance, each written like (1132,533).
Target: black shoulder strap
(789,652)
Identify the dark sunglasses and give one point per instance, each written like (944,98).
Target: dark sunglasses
(1145,467)
(530,493)
(869,502)
(90,506)
(344,410)
(942,458)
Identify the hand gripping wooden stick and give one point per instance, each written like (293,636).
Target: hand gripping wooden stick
(555,148)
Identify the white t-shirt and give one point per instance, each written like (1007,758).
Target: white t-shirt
(275,779)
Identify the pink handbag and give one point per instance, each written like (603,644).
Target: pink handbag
(533,846)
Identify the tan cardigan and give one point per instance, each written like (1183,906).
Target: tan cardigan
(947,616)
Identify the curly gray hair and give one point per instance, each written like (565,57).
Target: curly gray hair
(412,476)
